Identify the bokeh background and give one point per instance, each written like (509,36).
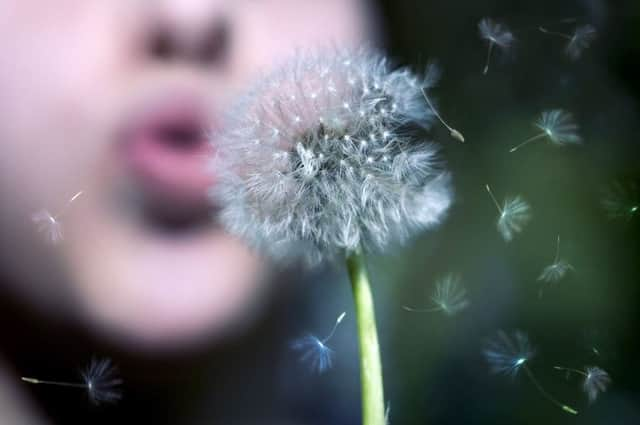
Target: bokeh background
(434,369)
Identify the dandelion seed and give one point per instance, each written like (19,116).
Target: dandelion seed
(597,344)
(315,351)
(621,200)
(577,42)
(431,79)
(594,380)
(557,126)
(510,354)
(50,224)
(507,355)
(449,297)
(314,207)
(554,272)
(514,214)
(496,34)
(100,380)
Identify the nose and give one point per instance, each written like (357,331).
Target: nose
(190,31)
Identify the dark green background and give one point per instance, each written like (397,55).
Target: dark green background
(435,371)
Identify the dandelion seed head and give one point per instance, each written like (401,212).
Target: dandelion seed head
(432,75)
(496,33)
(449,295)
(314,352)
(516,213)
(559,126)
(333,193)
(48,225)
(102,381)
(507,354)
(621,200)
(554,272)
(581,39)
(596,381)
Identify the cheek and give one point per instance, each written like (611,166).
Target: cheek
(60,70)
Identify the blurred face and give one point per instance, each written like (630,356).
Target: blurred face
(115,99)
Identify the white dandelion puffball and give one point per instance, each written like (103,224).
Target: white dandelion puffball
(595,381)
(102,381)
(559,126)
(319,158)
(496,33)
(49,225)
(507,354)
(581,39)
(514,215)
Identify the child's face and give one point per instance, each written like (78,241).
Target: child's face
(112,98)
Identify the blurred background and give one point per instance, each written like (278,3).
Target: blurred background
(434,369)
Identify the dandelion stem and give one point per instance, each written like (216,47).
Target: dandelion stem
(557,251)
(486,65)
(373,410)
(452,131)
(68,204)
(495,201)
(570,370)
(57,383)
(545,394)
(421,310)
(531,139)
(559,34)
(333,330)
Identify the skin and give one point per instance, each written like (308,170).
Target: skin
(74,73)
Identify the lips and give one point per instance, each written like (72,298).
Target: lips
(165,148)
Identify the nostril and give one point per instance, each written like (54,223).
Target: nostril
(214,45)
(162,46)
(206,44)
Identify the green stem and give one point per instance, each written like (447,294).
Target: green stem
(373,412)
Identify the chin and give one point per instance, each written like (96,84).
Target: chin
(149,291)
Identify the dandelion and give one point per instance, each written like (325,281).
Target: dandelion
(554,272)
(514,214)
(558,126)
(507,355)
(315,351)
(449,297)
(594,380)
(510,354)
(320,161)
(597,344)
(432,77)
(496,34)
(577,42)
(50,224)
(100,380)
(621,200)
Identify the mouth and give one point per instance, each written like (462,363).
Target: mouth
(165,149)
